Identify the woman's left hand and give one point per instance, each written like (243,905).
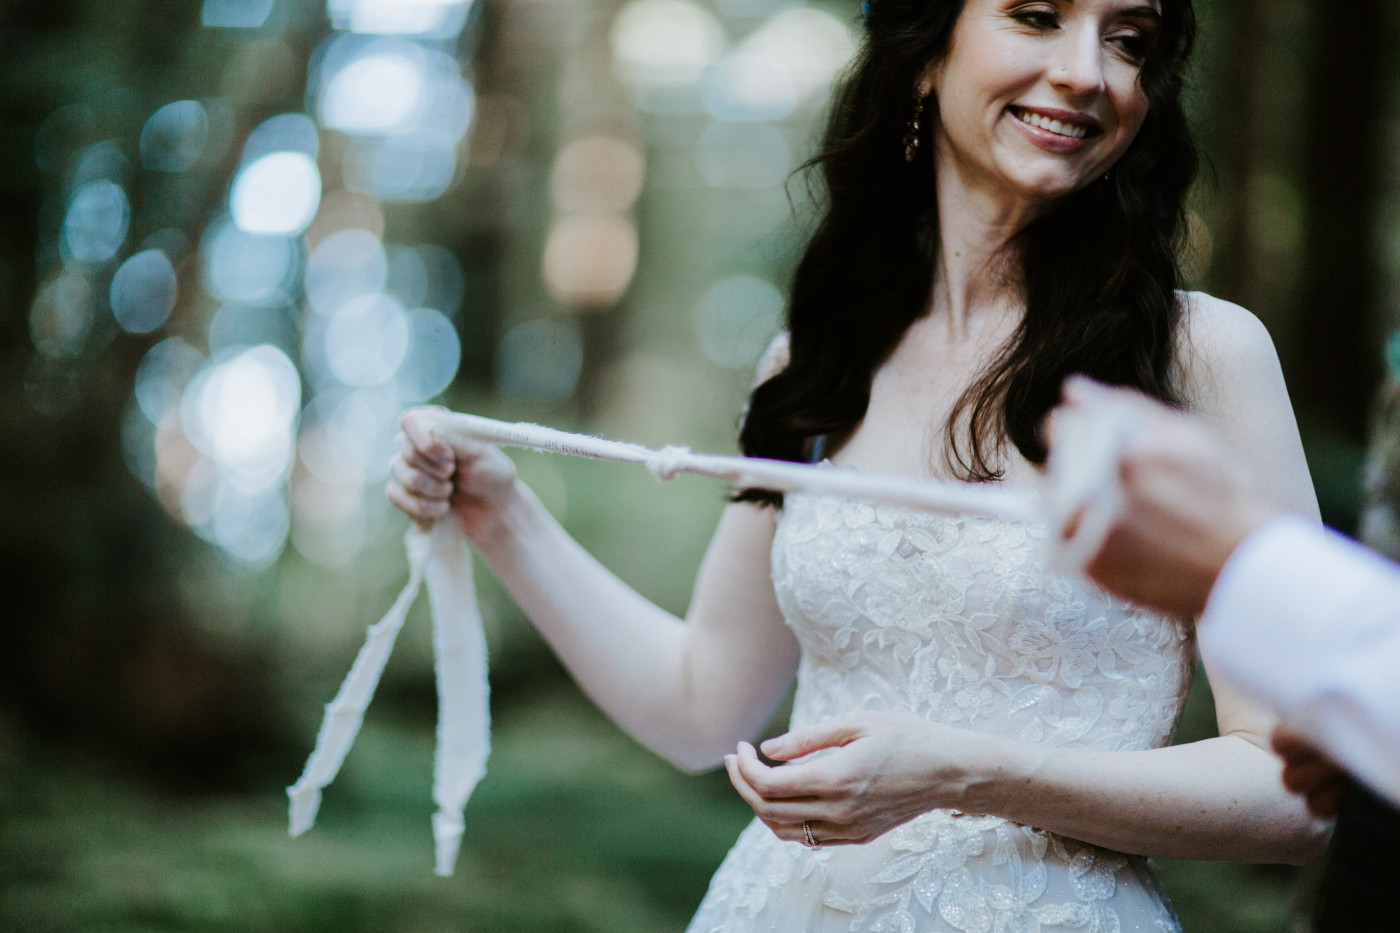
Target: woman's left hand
(883,769)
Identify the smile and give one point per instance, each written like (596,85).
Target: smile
(1068,128)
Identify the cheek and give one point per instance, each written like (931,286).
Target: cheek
(1131,105)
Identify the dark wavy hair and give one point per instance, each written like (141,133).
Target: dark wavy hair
(1099,273)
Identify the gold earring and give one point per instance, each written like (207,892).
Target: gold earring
(911,129)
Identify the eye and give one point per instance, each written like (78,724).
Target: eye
(1038,18)
(1132,44)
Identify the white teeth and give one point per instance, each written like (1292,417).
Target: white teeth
(1053,126)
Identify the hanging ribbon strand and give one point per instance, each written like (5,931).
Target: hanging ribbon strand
(1080,493)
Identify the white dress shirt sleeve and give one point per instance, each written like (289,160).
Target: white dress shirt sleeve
(1308,622)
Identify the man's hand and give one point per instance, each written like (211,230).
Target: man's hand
(1187,502)
(1307,772)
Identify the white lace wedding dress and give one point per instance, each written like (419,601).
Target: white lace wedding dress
(957,620)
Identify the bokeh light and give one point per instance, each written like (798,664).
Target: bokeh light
(378,89)
(345,210)
(434,19)
(743,155)
(96,223)
(589,259)
(139,445)
(737,318)
(328,526)
(162,376)
(61,317)
(62,133)
(665,43)
(367,340)
(235,14)
(434,353)
(251,267)
(174,137)
(411,167)
(241,412)
(745,86)
(597,173)
(424,276)
(143,291)
(277,193)
(104,161)
(286,132)
(345,266)
(242,325)
(539,361)
(811,45)
(445,280)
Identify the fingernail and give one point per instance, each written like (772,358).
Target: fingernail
(771,746)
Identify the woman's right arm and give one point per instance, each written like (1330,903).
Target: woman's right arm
(687,689)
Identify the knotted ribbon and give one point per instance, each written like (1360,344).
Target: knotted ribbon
(1080,489)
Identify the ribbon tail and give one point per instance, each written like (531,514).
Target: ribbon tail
(464,714)
(345,713)
(1082,484)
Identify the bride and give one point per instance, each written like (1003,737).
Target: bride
(976,744)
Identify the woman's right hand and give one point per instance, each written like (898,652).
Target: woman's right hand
(429,479)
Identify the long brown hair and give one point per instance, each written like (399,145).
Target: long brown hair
(1099,273)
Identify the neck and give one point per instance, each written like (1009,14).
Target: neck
(975,226)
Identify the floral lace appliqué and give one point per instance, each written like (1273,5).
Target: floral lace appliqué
(960,621)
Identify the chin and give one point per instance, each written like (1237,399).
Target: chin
(1049,188)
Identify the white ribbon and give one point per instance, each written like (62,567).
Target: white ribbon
(1081,481)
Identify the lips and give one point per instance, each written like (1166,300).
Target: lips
(1062,123)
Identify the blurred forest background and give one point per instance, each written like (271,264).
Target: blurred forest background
(240,235)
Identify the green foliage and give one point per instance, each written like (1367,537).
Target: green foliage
(575,828)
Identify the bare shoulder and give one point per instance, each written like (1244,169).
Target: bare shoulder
(1230,375)
(774,359)
(1225,350)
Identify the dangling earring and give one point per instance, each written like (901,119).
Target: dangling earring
(911,129)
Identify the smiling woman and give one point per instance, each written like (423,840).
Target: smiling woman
(1041,99)
(977,743)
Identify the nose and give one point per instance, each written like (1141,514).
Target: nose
(1077,67)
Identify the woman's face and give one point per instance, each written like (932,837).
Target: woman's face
(1037,98)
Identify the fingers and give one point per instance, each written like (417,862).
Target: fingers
(1308,772)
(1290,747)
(751,796)
(841,730)
(1325,800)
(796,782)
(784,818)
(440,463)
(1303,774)
(416,426)
(415,507)
(421,481)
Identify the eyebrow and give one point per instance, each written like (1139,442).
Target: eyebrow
(1140,12)
(1144,12)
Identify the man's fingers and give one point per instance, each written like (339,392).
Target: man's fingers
(1290,747)
(1326,799)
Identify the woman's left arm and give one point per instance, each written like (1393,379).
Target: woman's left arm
(1219,799)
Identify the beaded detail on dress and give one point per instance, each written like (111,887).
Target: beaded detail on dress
(956,619)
